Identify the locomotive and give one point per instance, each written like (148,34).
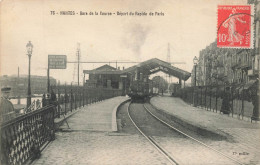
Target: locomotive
(140,87)
(139,90)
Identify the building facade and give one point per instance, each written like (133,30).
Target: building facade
(19,85)
(227,66)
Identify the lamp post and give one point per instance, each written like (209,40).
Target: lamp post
(195,62)
(29,48)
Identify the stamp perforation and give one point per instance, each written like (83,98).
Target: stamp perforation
(235,26)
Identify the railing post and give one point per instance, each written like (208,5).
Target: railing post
(86,93)
(79,98)
(87,96)
(232,101)
(52,131)
(216,100)
(205,98)
(76,100)
(58,102)
(83,98)
(90,97)
(210,91)
(242,111)
(201,96)
(65,99)
(71,98)
(197,98)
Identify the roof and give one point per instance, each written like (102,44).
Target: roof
(147,67)
(105,67)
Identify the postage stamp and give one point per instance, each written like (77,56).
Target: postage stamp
(235,26)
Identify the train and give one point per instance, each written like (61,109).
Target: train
(140,87)
(139,90)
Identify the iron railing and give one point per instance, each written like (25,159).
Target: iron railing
(23,137)
(70,98)
(35,105)
(233,100)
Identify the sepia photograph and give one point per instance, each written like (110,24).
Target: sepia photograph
(129,82)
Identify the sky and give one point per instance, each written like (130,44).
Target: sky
(187,25)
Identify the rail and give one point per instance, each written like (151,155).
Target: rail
(152,141)
(190,137)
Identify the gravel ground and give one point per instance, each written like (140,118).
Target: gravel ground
(149,125)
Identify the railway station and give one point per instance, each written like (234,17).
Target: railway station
(105,112)
(109,77)
(183,94)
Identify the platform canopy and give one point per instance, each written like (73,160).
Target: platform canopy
(148,67)
(155,65)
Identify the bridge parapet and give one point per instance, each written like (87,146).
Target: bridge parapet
(22,137)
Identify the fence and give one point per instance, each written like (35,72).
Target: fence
(23,137)
(234,100)
(70,98)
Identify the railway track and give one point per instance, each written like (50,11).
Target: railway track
(145,127)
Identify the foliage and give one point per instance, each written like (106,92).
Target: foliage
(160,83)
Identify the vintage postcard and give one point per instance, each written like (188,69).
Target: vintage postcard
(129,82)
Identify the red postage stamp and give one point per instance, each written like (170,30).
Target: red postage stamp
(235,26)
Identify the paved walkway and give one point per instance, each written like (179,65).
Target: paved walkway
(99,116)
(245,134)
(91,140)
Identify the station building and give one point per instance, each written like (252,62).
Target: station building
(109,77)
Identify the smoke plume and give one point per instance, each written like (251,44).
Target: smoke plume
(134,38)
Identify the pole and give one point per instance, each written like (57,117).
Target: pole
(216,105)
(194,104)
(78,67)
(48,79)
(125,85)
(65,98)
(29,83)
(84,80)
(195,74)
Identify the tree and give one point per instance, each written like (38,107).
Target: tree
(160,83)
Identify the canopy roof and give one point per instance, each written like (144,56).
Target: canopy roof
(147,67)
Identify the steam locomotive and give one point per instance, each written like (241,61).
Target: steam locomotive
(140,86)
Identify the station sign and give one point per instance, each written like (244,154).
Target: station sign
(159,68)
(57,61)
(123,76)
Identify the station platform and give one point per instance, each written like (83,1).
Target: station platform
(100,116)
(91,139)
(240,131)
(202,118)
